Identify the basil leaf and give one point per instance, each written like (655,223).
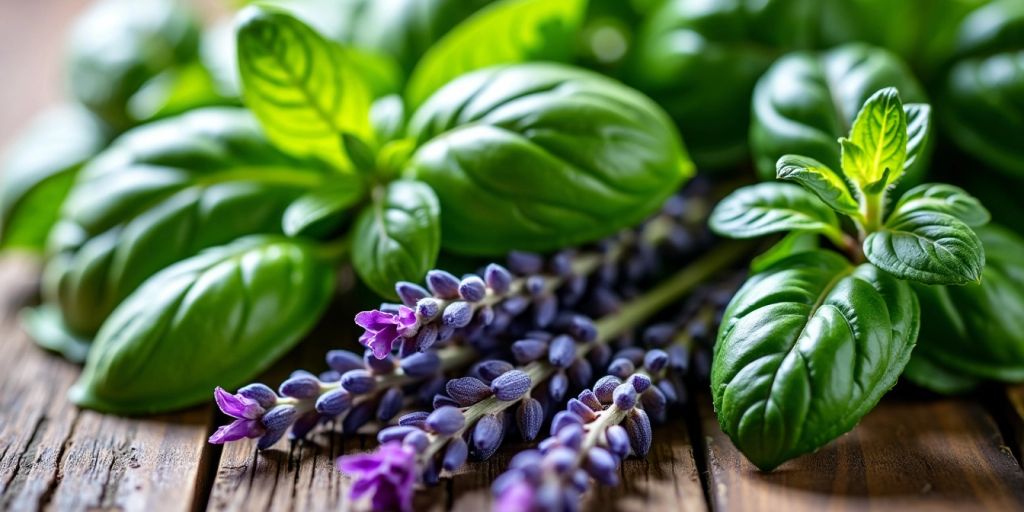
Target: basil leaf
(793,243)
(161,193)
(766,208)
(918,131)
(45,325)
(318,212)
(224,315)
(397,237)
(38,171)
(542,156)
(405,29)
(808,100)
(932,375)
(303,88)
(119,45)
(928,247)
(816,177)
(880,130)
(805,350)
(943,198)
(983,93)
(700,61)
(507,32)
(977,330)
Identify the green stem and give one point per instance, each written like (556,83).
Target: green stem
(872,209)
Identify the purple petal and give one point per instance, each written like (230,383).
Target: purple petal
(238,429)
(374,320)
(237,406)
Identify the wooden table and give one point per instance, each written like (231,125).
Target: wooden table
(912,453)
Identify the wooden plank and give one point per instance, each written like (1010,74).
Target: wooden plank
(1014,414)
(54,456)
(942,454)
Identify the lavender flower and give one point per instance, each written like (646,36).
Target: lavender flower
(387,475)
(383,329)
(247,413)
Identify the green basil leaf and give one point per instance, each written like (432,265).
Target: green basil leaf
(805,350)
(222,316)
(977,330)
(816,177)
(793,243)
(397,237)
(45,325)
(119,45)
(541,156)
(808,100)
(766,208)
(38,170)
(700,61)
(983,93)
(928,247)
(388,118)
(930,374)
(174,91)
(918,131)
(303,88)
(507,32)
(943,198)
(317,213)
(880,130)
(161,193)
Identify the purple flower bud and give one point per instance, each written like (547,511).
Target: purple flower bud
(271,437)
(444,333)
(455,454)
(529,417)
(571,436)
(467,390)
(560,459)
(390,404)
(457,314)
(431,474)
(486,315)
(621,368)
(421,364)
(573,290)
(582,410)
(443,284)
(515,305)
(659,335)
(428,308)
(562,351)
(583,328)
(261,393)
(498,278)
(442,400)
(279,418)
(561,264)
(600,355)
(605,387)
(487,435)
(431,387)
(624,396)
(357,417)
(472,288)
(581,480)
(536,285)
(563,419)
(678,358)
(417,440)
(490,369)
(406,346)
(395,433)
(640,382)
(334,402)
(302,386)
(445,421)
(655,360)
(379,366)
(547,444)
(558,386)
(618,440)
(358,381)
(580,373)
(606,302)
(528,350)
(506,488)
(669,391)
(342,361)
(638,426)
(654,403)
(426,337)
(410,293)
(414,419)
(329,376)
(602,466)
(544,310)
(590,400)
(523,263)
(511,385)
(527,460)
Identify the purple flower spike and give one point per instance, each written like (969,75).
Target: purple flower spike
(498,278)
(421,364)
(491,369)
(445,421)
(515,497)
(621,368)
(640,382)
(472,288)
(624,396)
(342,361)
(582,410)
(261,393)
(564,419)
(511,385)
(618,440)
(638,426)
(390,404)
(558,386)
(443,284)
(414,419)
(382,329)
(605,387)
(455,454)
(358,381)
(302,386)
(467,390)
(525,351)
(590,399)
(417,440)
(410,293)
(388,475)
(334,402)
(602,466)
(487,436)
(396,433)
(457,315)
(247,413)
(529,417)
(655,360)
(562,351)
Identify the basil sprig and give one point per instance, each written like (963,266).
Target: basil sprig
(814,339)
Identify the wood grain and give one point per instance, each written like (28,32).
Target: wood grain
(54,456)
(940,454)
(1014,414)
